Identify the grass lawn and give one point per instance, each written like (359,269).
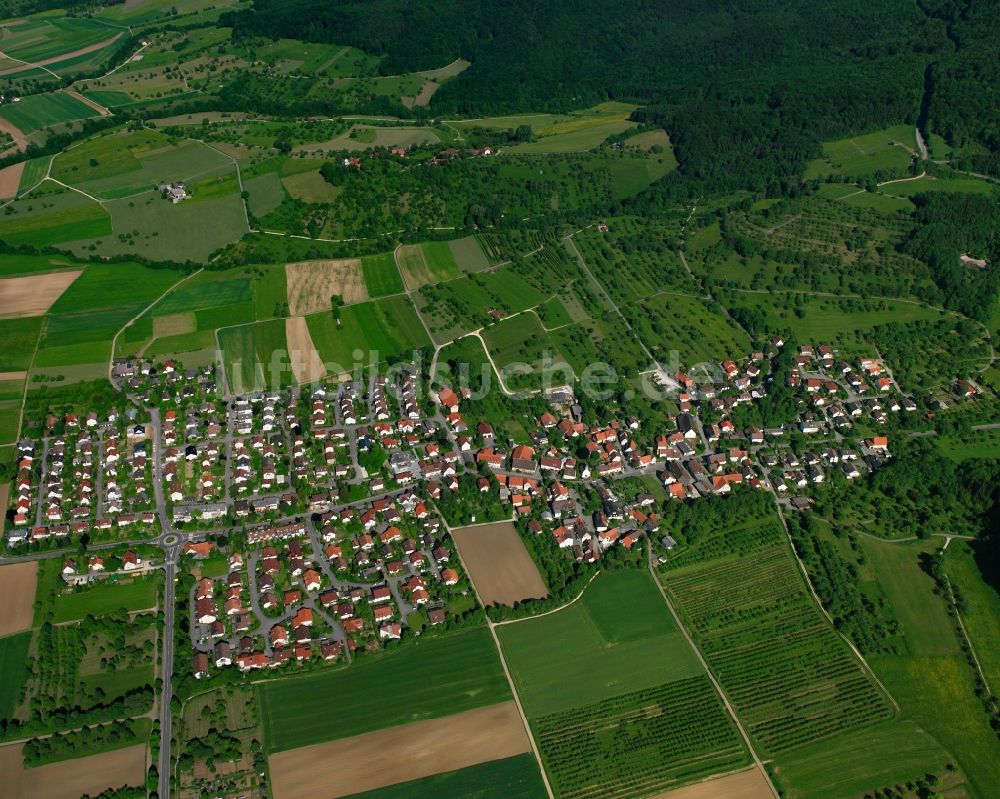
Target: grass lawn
(620,637)
(13,655)
(381,275)
(104,598)
(430,679)
(511,778)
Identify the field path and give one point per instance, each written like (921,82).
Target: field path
(100,109)
(57,58)
(715,683)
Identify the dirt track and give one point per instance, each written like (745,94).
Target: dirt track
(10,180)
(306,363)
(70,779)
(499,565)
(312,283)
(408,752)
(61,57)
(749,784)
(33,294)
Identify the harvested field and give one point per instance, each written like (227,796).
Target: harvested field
(306,363)
(312,283)
(12,376)
(20,142)
(70,779)
(499,565)
(10,179)
(749,784)
(34,294)
(17,595)
(175,324)
(399,754)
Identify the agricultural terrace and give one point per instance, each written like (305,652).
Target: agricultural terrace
(386,757)
(498,563)
(437,677)
(387,327)
(510,778)
(789,676)
(616,698)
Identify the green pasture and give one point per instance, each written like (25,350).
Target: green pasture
(381,275)
(38,111)
(430,679)
(619,638)
(510,778)
(386,327)
(103,598)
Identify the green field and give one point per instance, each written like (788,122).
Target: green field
(34,171)
(615,696)
(427,263)
(869,154)
(113,285)
(44,38)
(379,329)
(519,343)
(431,679)
(13,655)
(789,676)
(977,444)
(17,342)
(967,565)
(81,221)
(381,275)
(104,598)
(311,187)
(511,778)
(39,111)
(618,639)
(697,329)
(249,351)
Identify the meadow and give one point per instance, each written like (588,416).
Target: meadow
(885,152)
(17,342)
(468,254)
(521,341)
(697,329)
(105,598)
(510,778)
(432,262)
(616,698)
(967,564)
(430,679)
(249,351)
(47,38)
(53,218)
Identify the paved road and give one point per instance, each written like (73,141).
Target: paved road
(169,600)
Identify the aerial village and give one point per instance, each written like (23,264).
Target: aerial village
(318,506)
